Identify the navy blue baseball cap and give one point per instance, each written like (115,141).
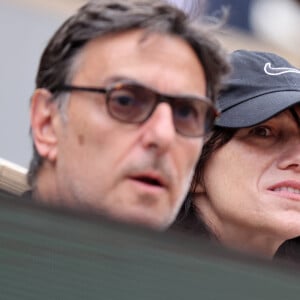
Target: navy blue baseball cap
(260,86)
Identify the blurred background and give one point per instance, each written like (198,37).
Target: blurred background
(26,26)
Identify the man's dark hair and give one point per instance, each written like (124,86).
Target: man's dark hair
(98,18)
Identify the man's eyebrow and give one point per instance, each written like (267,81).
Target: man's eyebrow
(116,78)
(295,116)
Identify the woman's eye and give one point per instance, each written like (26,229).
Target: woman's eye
(261,131)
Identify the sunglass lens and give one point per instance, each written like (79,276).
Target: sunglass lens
(130,103)
(190,116)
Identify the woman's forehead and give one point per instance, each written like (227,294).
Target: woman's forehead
(297,108)
(292,113)
(295,111)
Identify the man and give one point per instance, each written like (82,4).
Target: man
(124,95)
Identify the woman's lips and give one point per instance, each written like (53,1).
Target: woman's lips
(288,189)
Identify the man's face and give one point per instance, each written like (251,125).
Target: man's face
(137,173)
(252,185)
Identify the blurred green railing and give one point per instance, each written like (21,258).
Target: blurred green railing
(48,254)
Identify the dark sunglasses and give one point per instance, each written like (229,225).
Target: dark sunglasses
(131,102)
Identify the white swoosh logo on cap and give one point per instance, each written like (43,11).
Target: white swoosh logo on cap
(278,71)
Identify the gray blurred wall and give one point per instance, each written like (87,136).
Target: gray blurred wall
(24,32)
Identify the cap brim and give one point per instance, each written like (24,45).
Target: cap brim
(258,109)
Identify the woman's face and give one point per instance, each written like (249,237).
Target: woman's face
(250,196)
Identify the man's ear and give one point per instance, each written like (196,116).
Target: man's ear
(43,113)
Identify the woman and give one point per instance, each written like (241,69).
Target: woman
(246,190)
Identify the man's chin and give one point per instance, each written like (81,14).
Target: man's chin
(143,219)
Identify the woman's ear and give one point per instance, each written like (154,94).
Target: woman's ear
(42,113)
(199,189)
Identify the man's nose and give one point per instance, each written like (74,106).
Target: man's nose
(290,155)
(159,130)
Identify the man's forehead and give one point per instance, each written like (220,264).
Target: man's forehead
(151,61)
(139,40)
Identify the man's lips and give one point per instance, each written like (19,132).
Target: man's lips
(288,189)
(151,179)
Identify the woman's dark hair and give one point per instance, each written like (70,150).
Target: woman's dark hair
(289,251)
(189,218)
